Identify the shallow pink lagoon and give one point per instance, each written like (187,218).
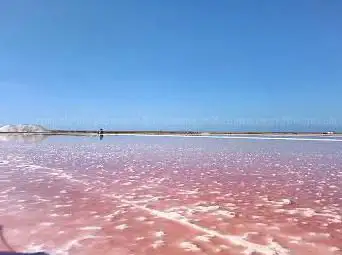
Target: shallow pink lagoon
(171,195)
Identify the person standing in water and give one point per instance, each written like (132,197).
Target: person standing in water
(100,132)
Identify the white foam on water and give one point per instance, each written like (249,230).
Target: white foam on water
(65,249)
(204,238)
(4,162)
(46,224)
(91,228)
(335,249)
(7,190)
(141,218)
(188,192)
(223,247)
(309,212)
(121,227)
(226,214)
(215,192)
(188,246)
(201,208)
(145,201)
(285,201)
(62,206)
(158,243)
(272,248)
(159,234)
(34,248)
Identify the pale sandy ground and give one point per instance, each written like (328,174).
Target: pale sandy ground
(161,195)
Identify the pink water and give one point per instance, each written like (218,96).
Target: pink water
(155,195)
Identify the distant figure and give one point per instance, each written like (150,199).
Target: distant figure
(100,133)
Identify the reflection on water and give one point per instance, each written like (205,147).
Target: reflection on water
(30,138)
(37,138)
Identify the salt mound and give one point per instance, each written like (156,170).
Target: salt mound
(23,129)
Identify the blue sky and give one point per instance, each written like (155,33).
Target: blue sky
(218,65)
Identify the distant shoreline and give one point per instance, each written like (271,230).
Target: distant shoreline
(187,133)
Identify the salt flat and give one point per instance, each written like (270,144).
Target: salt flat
(167,195)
